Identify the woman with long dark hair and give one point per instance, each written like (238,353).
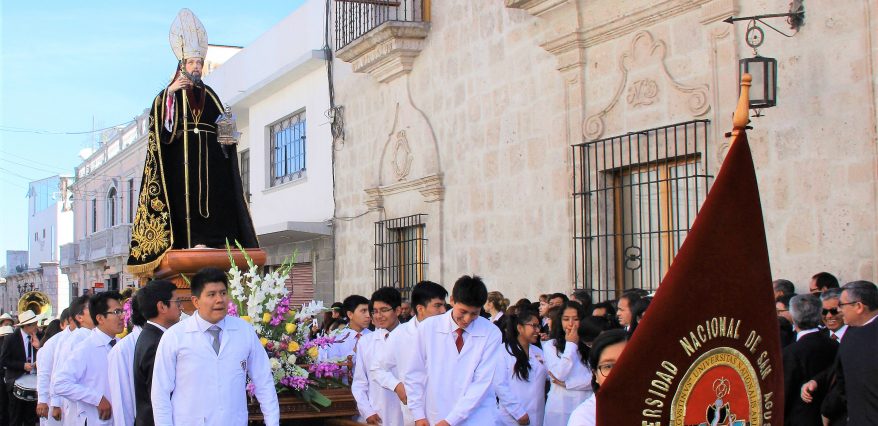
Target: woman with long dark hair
(566,358)
(604,353)
(522,366)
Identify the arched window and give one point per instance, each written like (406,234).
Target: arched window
(111,207)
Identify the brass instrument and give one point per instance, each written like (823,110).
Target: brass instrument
(37,302)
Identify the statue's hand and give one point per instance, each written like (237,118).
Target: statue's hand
(181,82)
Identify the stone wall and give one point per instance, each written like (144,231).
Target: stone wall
(499,92)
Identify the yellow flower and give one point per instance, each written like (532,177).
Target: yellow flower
(292,346)
(313,352)
(266,317)
(122,334)
(263,340)
(245,318)
(290,328)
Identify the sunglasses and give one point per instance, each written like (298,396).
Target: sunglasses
(833,311)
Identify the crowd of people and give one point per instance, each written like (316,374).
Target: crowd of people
(467,357)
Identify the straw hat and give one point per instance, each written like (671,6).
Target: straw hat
(27,317)
(6,329)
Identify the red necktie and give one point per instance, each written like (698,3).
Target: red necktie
(459,341)
(834,336)
(357,341)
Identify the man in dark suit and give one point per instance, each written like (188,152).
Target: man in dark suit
(160,305)
(19,354)
(5,330)
(858,371)
(811,353)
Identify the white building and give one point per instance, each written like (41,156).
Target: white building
(50,225)
(278,89)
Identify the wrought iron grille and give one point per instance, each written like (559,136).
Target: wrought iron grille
(288,149)
(635,198)
(401,253)
(353,18)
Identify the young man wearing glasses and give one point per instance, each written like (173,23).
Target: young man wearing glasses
(375,403)
(121,373)
(160,303)
(83,378)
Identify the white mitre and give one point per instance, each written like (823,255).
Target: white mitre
(188,36)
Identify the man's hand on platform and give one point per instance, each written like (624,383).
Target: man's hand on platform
(524,420)
(42,410)
(373,419)
(56,413)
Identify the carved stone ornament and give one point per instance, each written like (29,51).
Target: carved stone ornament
(430,187)
(642,92)
(644,47)
(402,156)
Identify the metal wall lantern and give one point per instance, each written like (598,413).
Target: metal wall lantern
(763,70)
(763,89)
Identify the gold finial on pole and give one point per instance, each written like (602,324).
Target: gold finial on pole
(742,113)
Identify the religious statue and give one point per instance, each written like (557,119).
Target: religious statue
(191,195)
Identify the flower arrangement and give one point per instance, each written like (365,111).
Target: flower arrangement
(263,300)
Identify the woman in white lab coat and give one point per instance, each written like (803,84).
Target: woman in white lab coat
(522,367)
(607,348)
(566,360)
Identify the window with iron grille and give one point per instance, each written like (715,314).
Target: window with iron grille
(245,173)
(635,198)
(401,252)
(111,207)
(94,215)
(288,149)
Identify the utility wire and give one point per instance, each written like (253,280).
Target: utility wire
(12,129)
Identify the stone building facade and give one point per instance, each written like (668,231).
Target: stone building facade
(460,124)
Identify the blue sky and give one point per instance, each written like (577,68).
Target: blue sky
(64,64)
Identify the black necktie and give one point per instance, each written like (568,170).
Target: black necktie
(29,350)
(112,342)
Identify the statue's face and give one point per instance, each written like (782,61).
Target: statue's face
(194,66)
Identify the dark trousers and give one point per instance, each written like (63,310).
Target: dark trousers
(4,406)
(21,413)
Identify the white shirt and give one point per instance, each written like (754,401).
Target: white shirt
(28,346)
(345,341)
(452,386)
(803,333)
(121,375)
(382,394)
(585,414)
(496,316)
(529,394)
(63,352)
(840,333)
(568,368)
(193,385)
(83,378)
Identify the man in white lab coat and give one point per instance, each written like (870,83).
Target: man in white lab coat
(83,379)
(46,363)
(356,309)
(377,404)
(395,361)
(454,362)
(121,363)
(80,325)
(202,364)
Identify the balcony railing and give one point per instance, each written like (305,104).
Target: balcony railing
(105,243)
(353,18)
